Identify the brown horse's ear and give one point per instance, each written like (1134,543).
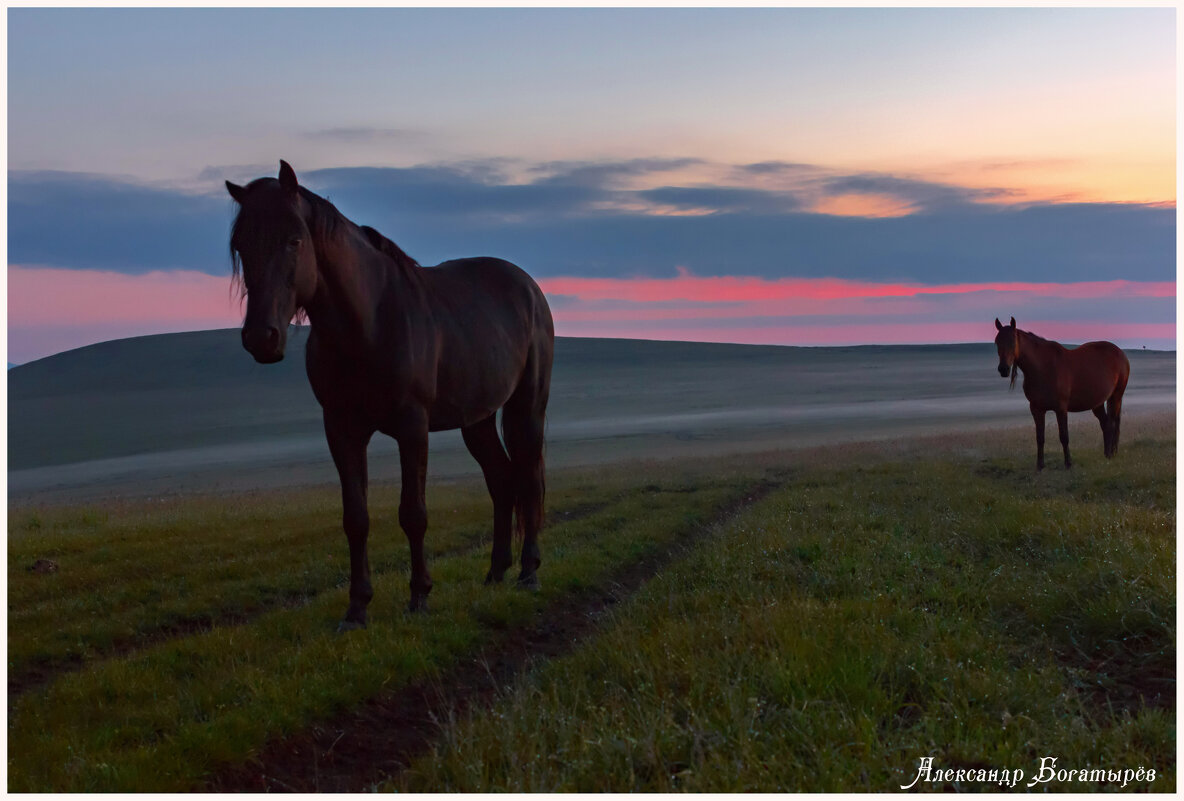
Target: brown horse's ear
(1013,322)
(998,325)
(237,192)
(287,177)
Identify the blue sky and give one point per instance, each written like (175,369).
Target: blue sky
(936,146)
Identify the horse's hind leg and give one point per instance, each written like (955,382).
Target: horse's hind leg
(1038,417)
(523,430)
(481,440)
(1114,410)
(1063,430)
(1103,418)
(522,426)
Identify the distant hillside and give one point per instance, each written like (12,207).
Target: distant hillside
(177,391)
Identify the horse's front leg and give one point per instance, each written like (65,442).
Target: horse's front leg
(347,444)
(1063,429)
(413,510)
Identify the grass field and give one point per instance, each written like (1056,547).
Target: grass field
(798,620)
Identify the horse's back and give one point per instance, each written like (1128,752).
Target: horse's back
(1102,354)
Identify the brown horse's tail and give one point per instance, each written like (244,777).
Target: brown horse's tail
(523,426)
(1114,404)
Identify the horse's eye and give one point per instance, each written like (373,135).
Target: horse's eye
(293,243)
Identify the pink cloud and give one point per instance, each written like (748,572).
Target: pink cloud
(39,296)
(902,333)
(720,289)
(51,309)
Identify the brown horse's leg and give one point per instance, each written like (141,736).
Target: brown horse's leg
(1038,416)
(1115,412)
(523,428)
(481,440)
(347,444)
(1100,413)
(1063,430)
(413,510)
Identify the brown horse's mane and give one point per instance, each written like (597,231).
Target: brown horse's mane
(1037,337)
(388,248)
(1039,340)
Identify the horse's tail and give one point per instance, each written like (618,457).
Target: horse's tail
(1114,404)
(523,427)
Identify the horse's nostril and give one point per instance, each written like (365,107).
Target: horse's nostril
(265,344)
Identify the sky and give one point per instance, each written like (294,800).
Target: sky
(781,176)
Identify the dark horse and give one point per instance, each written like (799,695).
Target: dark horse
(1090,377)
(401,349)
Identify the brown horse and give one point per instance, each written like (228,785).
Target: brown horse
(1090,377)
(401,349)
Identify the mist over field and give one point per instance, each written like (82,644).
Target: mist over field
(184,412)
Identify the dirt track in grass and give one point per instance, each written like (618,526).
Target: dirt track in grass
(363,748)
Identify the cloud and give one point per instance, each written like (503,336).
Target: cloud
(53,309)
(604,175)
(583,218)
(724,199)
(725,289)
(922,195)
(98,222)
(776,168)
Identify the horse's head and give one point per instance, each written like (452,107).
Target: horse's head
(272,244)
(1008,345)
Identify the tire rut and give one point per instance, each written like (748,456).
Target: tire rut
(373,743)
(40,675)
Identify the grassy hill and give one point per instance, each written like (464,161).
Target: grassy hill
(200,389)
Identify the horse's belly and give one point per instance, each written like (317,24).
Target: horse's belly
(445,416)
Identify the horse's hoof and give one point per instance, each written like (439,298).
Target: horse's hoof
(418,606)
(529,582)
(349,625)
(494,578)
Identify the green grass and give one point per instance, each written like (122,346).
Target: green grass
(882,604)
(165,715)
(128,575)
(858,620)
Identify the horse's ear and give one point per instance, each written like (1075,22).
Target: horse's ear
(1013,322)
(237,192)
(998,325)
(287,177)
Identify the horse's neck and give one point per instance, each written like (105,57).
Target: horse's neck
(1036,355)
(354,281)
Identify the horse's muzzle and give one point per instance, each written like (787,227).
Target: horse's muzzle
(265,344)
(1004,370)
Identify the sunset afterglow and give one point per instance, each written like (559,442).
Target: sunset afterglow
(788,176)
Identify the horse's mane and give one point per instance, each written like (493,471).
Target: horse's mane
(389,248)
(1036,337)
(1038,340)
